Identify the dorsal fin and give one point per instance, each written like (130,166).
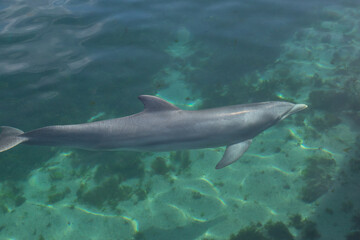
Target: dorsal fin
(152,103)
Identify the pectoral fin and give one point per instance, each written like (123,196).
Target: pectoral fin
(233,153)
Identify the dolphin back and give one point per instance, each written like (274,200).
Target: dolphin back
(10,137)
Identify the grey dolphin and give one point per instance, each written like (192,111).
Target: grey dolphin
(161,126)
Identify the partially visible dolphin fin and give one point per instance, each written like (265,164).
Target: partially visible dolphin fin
(233,152)
(152,103)
(9,137)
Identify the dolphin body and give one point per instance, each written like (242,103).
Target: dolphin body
(161,126)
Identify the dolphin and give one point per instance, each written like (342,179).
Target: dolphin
(161,126)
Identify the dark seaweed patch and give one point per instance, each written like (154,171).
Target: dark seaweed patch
(271,231)
(278,231)
(331,101)
(160,167)
(326,122)
(58,196)
(309,231)
(125,166)
(355,219)
(109,193)
(181,159)
(296,221)
(318,177)
(249,233)
(353,235)
(19,200)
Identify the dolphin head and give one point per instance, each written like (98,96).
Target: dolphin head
(260,116)
(281,110)
(294,109)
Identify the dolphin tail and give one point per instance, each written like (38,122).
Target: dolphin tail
(10,137)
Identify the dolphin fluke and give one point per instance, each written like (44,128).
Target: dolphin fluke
(9,138)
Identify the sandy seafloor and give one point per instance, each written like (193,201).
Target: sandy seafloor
(308,164)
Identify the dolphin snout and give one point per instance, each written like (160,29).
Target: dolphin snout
(296,108)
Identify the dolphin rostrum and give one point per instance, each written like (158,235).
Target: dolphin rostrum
(161,126)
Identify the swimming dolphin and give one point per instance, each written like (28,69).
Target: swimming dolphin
(161,126)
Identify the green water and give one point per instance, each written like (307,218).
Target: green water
(66,62)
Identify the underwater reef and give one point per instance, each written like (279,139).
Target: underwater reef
(111,174)
(279,230)
(318,176)
(11,196)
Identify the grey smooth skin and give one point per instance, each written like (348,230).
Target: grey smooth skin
(163,127)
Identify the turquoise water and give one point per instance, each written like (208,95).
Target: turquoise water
(65,62)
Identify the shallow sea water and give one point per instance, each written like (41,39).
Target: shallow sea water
(66,62)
